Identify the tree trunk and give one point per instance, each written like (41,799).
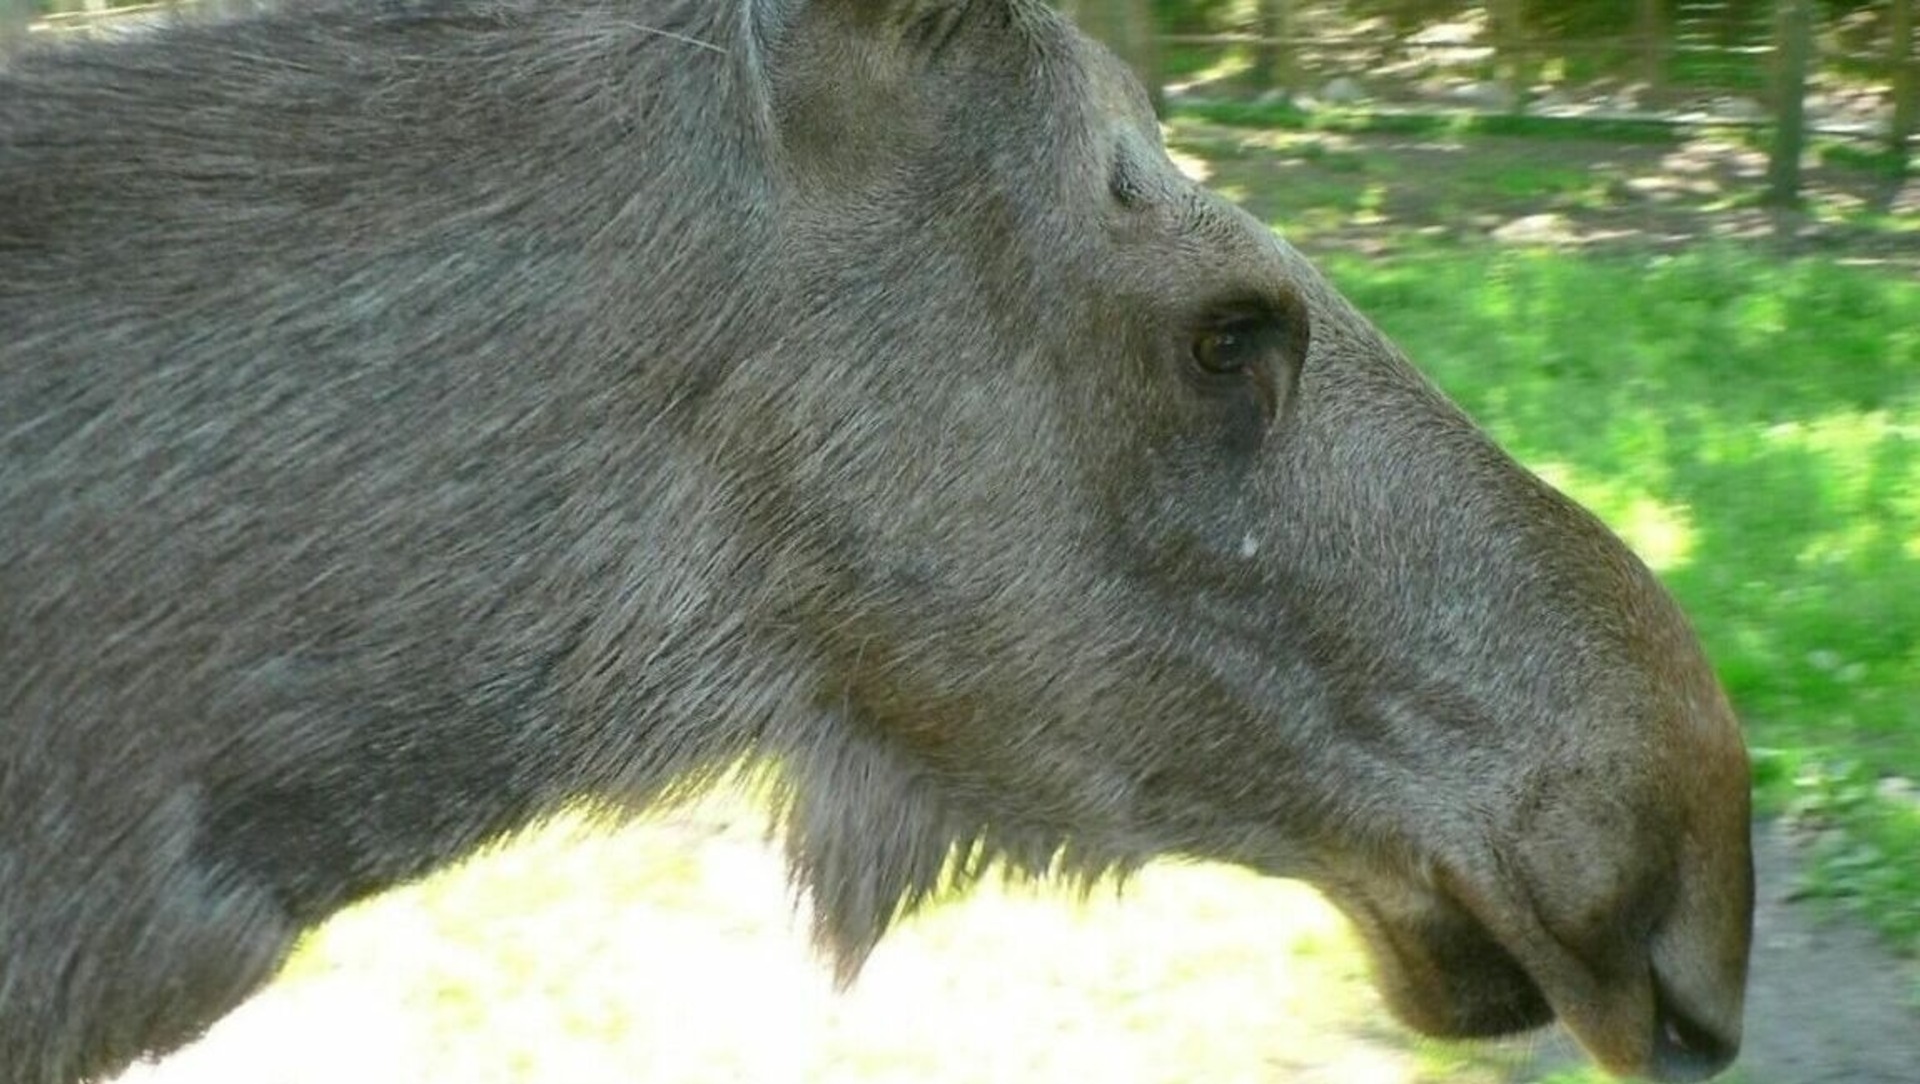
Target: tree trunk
(1273,64)
(1794,51)
(1506,20)
(1127,28)
(1655,34)
(1905,69)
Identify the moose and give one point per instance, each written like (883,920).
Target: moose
(421,416)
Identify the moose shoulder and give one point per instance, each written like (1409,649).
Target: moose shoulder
(417,416)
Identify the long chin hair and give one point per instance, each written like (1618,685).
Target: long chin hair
(871,837)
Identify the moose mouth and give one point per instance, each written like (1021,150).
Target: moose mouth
(1446,974)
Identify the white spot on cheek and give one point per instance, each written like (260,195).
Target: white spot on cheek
(1249,546)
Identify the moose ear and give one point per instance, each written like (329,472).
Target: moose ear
(849,80)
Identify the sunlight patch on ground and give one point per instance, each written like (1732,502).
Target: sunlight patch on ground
(670,951)
(667,952)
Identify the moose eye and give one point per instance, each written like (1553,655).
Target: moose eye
(1228,349)
(1250,353)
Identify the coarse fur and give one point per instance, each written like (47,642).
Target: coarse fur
(419,416)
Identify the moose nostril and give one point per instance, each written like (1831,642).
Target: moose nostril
(1685,1049)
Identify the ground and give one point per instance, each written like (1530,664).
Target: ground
(1374,193)
(1827,1002)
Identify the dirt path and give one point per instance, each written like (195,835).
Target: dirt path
(1827,1003)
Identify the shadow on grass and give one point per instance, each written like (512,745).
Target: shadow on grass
(1371,189)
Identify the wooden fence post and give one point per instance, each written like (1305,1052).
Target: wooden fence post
(1793,51)
(1905,69)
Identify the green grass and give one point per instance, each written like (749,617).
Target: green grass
(1870,158)
(1752,424)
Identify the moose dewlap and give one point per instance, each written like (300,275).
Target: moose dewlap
(419,415)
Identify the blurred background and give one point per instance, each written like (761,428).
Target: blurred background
(1668,252)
